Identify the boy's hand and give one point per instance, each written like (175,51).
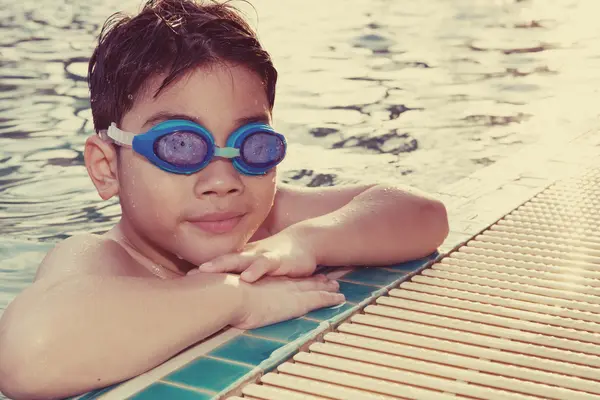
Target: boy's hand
(277,255)
(276,299)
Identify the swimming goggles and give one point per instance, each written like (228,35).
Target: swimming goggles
(184,147)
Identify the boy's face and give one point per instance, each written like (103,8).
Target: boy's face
(190,215)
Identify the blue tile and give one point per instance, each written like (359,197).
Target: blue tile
(411,266)
(374,276)
(282,354)
(328,313)
(161,391)
(209,374)
(288,350)
(356,293)
(286,331)
(246,349)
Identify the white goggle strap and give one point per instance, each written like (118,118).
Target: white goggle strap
(120,137)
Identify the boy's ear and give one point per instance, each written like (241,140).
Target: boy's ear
(101,163)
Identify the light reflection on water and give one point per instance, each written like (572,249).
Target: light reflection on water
(422,93)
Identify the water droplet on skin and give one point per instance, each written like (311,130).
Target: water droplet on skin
(178,256)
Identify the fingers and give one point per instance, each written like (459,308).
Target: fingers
(228,263)
(319,299)
(319,291)
(316,283)
(276,299)
(262,266)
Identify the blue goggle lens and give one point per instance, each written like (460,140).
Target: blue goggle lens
(181,148)
(262,149)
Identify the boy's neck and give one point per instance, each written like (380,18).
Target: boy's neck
(159,263)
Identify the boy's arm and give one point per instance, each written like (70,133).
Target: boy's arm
(369,224)
(71,332)
(74,331)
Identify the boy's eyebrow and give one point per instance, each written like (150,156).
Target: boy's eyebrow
(166,115)
(261,117)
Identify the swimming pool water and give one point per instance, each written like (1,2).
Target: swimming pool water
(422,93)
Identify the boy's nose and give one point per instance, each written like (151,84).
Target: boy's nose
(220,179)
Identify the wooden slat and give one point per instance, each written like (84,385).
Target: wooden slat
(547,251)
(470,321)
(578,330)
(317,387)
(572,317)
(548,225)
(505,254)
(419,337)
(405,370)
(534,236)
(505,290)
(524,266)
(586,302)
(363,383)
(275,393)
(529,243)
(570,212)
(587,292)
(542,231)
(537,219)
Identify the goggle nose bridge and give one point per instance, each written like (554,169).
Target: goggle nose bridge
(227,152)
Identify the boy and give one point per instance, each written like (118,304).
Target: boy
(182,96)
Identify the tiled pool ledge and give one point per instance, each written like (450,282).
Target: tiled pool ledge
(215,367)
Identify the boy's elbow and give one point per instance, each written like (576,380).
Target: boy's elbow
(428,214)
(15,385)
(436,217)
(25,372)
(20,375)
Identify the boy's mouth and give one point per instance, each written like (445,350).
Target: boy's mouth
(217,222)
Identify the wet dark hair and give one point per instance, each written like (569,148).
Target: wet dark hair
(171,37)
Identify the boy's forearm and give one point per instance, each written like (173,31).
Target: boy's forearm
(379,227)
(88,332)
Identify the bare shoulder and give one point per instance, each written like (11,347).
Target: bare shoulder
(87,254)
